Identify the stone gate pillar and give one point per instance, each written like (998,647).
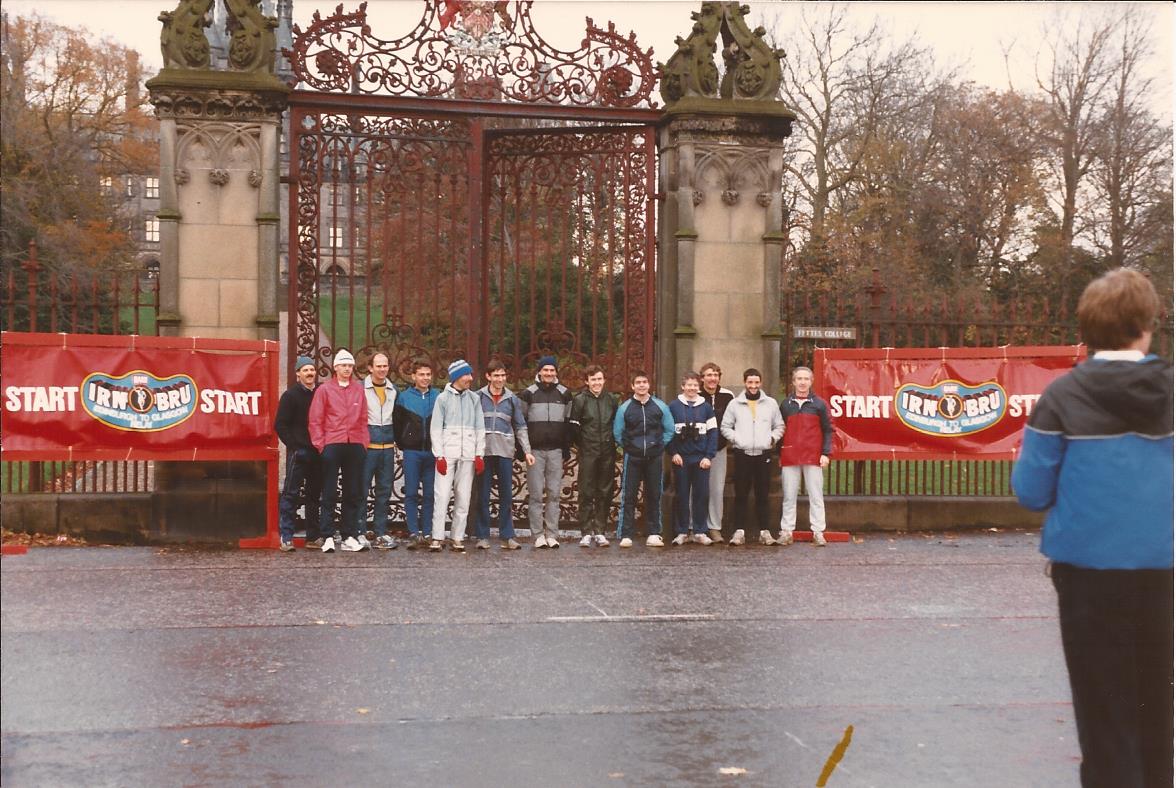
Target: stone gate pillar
(720,231)
(219,211)
(219,225)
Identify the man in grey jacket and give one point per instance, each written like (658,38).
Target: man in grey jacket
(752,425)
(506,430)
(545,406)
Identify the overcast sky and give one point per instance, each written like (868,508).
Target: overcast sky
(972,35)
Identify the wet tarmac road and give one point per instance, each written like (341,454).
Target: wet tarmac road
(594,667)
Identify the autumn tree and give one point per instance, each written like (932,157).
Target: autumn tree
(72,120)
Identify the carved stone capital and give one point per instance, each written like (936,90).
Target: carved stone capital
(254,178)
(218,176)
(698,197)
(238,98)
(730,196)
(183,176)
(763,199)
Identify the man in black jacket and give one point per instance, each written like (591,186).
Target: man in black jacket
(591,420)
(303,463)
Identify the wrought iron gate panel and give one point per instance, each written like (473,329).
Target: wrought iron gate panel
(381,206)
(569,256)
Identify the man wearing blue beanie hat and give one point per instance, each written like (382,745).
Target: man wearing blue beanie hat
(458,435)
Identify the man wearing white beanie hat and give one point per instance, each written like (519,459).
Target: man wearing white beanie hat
(338,429)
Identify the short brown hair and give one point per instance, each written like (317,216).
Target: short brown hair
(749,372)
(691,375)
(709,366)
(494,365)
(421,363)
(1116,309)
(592,369)
(638,374)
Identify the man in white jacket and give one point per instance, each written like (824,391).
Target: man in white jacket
(458,434)
(752,425)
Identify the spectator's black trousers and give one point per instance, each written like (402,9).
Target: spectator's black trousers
(1117,635)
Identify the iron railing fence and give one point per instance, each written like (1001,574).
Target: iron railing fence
(38,298)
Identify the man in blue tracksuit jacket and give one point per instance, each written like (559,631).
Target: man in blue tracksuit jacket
(642,427)
(691,450)
(411,419)
(1097,454)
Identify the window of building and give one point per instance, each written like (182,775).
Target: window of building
(151,188)
(151,230)
(130,186)
(336,237)
(106,183)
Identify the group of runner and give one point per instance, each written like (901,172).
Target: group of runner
(458,444)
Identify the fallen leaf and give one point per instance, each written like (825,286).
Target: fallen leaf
(732,770)
(319,621)
(994,530)
(185,741)
(362,711)
(616,775)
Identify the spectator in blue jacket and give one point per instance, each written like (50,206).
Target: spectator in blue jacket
(691,450)
(1097,456)
(643,426)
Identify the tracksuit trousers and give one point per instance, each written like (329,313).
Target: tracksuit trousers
(639,472)
(752,473)
(814,481)
(595,485)
(457,482)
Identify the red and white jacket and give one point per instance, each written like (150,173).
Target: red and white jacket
(338,414)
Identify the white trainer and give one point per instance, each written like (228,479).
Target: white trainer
(626,542)
(653,540)
(680,539)
(329,545)
(540,542)
(766,538)
(351,545)
(586,541)
(716,536)
(601,540)
(819,539)
(737,538)
(703,539)
(785,538)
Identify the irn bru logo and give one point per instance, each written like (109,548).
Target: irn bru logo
(139,401)
(950,407)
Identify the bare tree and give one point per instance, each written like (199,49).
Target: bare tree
(1077,72)
(842,84)
(1132,169)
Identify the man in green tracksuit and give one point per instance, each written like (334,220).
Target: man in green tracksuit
(591,418)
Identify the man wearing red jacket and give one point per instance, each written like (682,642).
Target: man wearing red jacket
(338,429)
(808,441)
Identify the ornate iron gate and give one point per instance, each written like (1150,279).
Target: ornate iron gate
(470,191)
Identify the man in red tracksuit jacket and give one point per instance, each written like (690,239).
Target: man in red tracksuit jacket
(805,449)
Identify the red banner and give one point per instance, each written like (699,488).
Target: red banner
(935,403)
(84,397)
